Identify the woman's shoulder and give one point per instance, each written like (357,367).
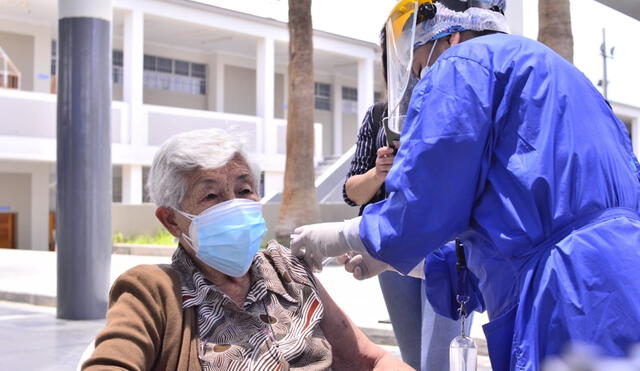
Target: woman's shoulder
(157,279)
(287,265)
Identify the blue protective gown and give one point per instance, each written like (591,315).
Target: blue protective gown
(510,148)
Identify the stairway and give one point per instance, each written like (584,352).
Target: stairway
(9,73)
(330,175)
(325,164)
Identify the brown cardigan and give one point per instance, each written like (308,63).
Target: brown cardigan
(146,328)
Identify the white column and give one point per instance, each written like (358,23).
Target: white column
(42,61)
(212,77)
(365,86)
(40,208)
(133,75)
(132,184)
(265,82)
(219,83)
(337,116)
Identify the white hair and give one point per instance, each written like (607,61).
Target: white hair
(185,152)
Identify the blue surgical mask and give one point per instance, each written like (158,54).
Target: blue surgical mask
(227,236)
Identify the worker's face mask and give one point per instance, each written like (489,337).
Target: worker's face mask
(227,236)
(425,69)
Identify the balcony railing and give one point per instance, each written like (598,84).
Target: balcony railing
(33,115)
(28,114)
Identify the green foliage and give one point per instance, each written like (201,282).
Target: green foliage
(161,237)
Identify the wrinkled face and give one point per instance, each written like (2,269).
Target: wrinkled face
(208,187)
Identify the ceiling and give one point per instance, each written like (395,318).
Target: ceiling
(171,32)
(38,11)
(628,7)
(208,40)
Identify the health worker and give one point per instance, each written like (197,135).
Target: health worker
(509,148)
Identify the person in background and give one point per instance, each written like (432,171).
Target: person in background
(422,335)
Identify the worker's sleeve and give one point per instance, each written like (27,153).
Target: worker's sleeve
(132,336)
(442,284)
(440,168)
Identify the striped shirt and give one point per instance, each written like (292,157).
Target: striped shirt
(278,327)
(371,137)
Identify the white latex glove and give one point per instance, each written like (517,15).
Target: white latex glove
(315,242)
(362,265)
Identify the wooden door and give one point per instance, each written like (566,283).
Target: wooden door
(8,230)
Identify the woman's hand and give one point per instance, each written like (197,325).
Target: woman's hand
(384,161)
(362,188)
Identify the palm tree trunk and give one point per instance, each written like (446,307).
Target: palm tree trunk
(299,203)
(555,26)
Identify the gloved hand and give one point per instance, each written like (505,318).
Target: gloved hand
(362,265)
(315,242)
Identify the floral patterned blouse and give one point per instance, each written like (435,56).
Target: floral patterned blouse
(277,328)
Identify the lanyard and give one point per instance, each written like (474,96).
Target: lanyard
(462,296)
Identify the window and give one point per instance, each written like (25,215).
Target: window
(149,63)
(349,100)
(116,183)
(629,126)
(117,58)
(181,68)
(174,75)
(349,94)
(145,178)
(117,61)
(164,65)
(323,96)
(198,70)
(54,57)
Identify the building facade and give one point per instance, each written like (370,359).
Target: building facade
(180,65)
(177,66)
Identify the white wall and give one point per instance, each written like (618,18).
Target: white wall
(20,50)
(326,119)
(240,90)
(15,193)
(174,99)
(278,102)
(350,124)
(35,214)
(133,220)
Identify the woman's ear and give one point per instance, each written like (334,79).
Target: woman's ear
(167,217)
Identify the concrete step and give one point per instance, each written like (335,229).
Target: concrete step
(142,250)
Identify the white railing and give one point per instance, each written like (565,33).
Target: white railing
(33,115)
(164,122)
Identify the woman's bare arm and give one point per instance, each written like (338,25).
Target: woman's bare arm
(361,188)
(352,350)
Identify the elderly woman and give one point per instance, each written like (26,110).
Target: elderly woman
(221,304)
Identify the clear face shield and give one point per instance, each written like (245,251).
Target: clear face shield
(401,31)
